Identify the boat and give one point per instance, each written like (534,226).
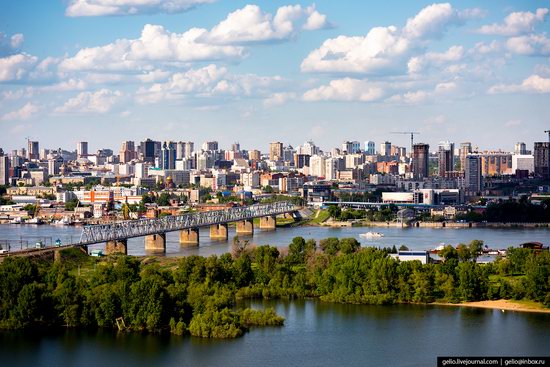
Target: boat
(372,235)
(63,222)
(34,220)
(16,220)
(438,248)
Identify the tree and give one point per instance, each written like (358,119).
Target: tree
(476,248)
(71,204)
(464,253)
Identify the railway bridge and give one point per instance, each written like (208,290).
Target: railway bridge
(116,235)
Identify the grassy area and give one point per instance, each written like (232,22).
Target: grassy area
(529,304)
(320,217)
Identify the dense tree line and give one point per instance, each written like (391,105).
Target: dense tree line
(199,295)
(510,211)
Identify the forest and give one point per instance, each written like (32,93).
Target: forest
(200,296)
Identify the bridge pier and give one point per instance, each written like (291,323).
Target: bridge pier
(189,237)
(245,227)
(57,255)
(218,231)
(155,242)
(269,222)
(116,247)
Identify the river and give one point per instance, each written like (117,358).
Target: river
(314,334)
(413,238)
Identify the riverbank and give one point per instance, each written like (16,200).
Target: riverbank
(451,225)
(501,304)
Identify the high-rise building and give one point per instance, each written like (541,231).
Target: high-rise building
(127,152)
(236,147)
(385,149)
(421,153)
(188,149)
(44,153)
(351,147)
(370,147)
(317,165)
(520,149)
(496,163)
(168,155)
(301,160)
(210,146)
(82,149)
(148,150)
(180,147)
(254,155)
(275,151)
(446,157)
(54,165)
(542,159)
(309,148)
(4,169)
(465,149)
(472,173)
(33,150)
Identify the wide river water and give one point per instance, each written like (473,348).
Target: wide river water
(315,333)
(413,238)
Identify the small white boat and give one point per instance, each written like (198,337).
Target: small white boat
(63,222)
(16,220)
(372,235)
(34,220)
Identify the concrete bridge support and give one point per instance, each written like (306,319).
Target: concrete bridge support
(155,242)
(116,247)
(268,222)
(245,227)
(218,231)
(57,255)
(189,237)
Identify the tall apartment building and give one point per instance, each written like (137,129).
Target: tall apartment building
(275,151)
(82,149)
(148,150)
(472,173)
(542,159)
(254,155)
(465,149)
(421,153)
(496,163)
(370,147)
(4,168)
(385,149)
(351,147)
(520,149)
(127,151)
(168,155)
(317,166)
(446,157)
(33,151)
(210,146)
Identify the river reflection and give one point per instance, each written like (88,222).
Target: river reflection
(315,334)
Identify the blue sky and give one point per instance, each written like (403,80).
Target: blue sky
(262,71)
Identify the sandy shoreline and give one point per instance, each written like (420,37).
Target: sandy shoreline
(501,304)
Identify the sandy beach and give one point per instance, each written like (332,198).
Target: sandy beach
(501,304)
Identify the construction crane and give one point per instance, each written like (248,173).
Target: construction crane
(412,133)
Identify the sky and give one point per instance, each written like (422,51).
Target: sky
(105,71)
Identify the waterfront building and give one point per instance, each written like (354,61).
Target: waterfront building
(421,153)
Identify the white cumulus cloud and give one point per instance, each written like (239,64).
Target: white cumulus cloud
(516,23)
(530,45)
(23,113)
(532,84)
(101,101)
(251,24)
(346,89)
(384,49)
(155,44)
(88,8)
(10,45)
(16,67)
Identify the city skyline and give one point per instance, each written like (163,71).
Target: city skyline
(258,72)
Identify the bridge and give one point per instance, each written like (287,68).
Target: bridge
(116,235)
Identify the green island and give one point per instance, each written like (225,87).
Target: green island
(200,296)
